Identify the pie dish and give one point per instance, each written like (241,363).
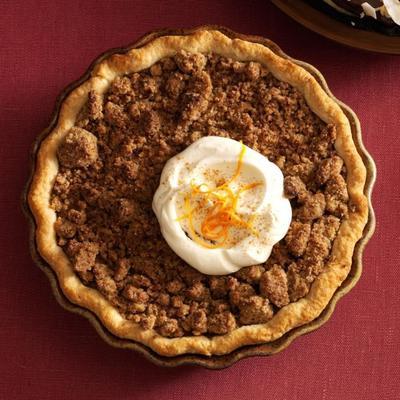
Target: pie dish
(375,15)
(65,220)
(347,30)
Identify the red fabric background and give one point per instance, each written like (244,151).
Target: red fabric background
(48,353)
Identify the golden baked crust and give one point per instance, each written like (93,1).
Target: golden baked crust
(290,316)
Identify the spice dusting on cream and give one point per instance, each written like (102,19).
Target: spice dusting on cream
(221,206)
(218,208)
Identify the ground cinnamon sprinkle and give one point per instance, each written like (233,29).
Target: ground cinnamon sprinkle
(110,165)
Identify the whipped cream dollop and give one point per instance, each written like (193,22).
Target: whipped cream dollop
(392,10)
(221,205)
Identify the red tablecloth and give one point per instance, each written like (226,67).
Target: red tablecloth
(48,353)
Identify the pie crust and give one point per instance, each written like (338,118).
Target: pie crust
(294,314)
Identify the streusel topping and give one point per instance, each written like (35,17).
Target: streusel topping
(110,165)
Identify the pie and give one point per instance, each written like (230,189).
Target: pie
(377,15)
(97,171)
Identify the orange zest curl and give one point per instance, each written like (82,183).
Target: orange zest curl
(220,204)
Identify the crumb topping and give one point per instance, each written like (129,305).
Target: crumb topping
(110,165)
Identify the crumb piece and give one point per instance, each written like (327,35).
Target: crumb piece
(79,149)
(297,237)
(274,285)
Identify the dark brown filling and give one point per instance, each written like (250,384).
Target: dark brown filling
(110,165)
